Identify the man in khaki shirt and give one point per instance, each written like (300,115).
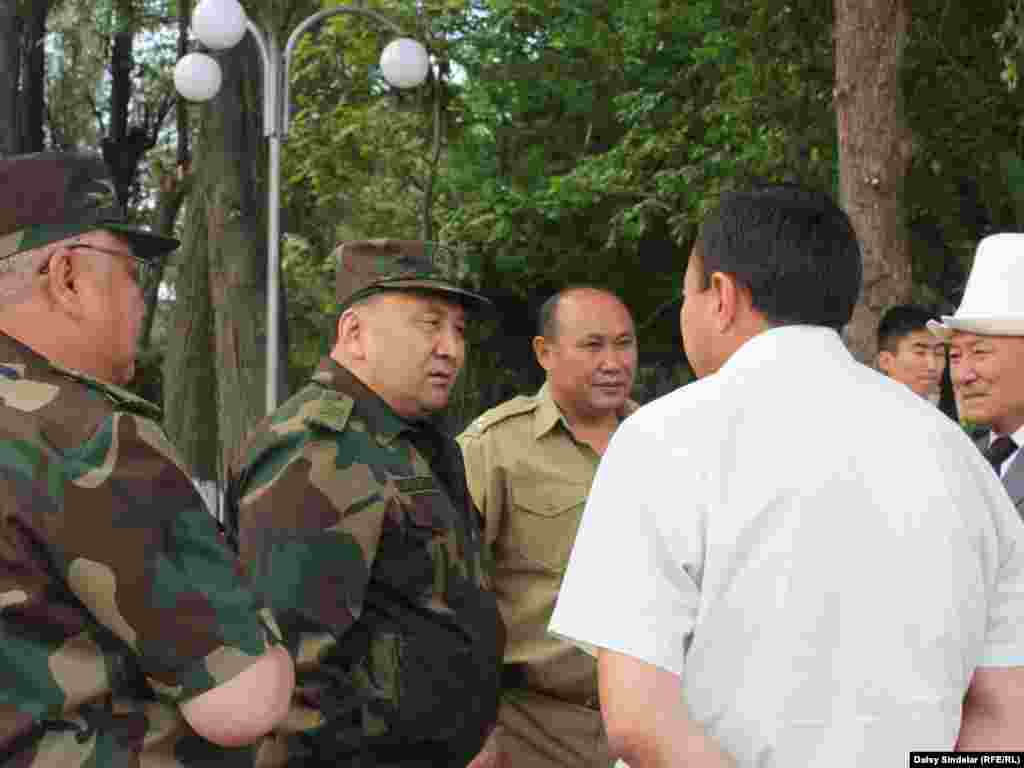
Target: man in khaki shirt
(529,463)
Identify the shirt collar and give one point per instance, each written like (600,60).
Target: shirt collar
(790,340)
(379,418)
(20,361)
(548,414)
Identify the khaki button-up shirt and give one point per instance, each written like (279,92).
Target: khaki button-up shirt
(530,477)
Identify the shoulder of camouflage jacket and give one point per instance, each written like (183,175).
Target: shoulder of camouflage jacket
(313,407)
(68,404)
(120,398)
(517,406)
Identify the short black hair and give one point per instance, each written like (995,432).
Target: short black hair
(793,247)
(547,315)
(546,320)
(899,322)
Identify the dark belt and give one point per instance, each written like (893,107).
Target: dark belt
(515,677)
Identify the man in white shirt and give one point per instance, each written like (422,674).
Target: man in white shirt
(767,582)
(986,354)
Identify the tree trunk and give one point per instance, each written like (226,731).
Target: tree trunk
(174,187)
(34,86)
(10,63)
(227,178)
(190,381)
(874,154)
(121,62)
(173,192)
(427,213)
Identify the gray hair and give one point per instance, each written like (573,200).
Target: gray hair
(17,273)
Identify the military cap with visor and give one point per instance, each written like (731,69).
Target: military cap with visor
(369,267)
(52,196)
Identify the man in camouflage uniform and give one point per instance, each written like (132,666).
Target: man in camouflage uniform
(125,633)
(530,462)
(354,520)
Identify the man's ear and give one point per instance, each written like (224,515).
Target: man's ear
(728,296)
(63,284)
(352,334)
(884,361)
(542,349)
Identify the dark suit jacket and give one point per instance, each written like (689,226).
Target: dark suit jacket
(1013,480)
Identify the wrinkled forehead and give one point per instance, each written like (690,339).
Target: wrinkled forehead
(413,302)
(968,340)
(592,312)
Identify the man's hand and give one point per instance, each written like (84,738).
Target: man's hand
(491,755)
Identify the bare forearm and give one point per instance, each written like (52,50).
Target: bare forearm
(987,728)
(648,722)
(672,745)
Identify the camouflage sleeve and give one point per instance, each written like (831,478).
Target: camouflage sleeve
(485,480)
(137,547)
(310,515)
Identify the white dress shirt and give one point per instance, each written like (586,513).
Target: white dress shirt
(822,556)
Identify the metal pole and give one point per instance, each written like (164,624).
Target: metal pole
(276,99)
(270,57)
(273,226)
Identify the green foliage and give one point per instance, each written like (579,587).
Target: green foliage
(584,140)
(309,285)
(594,136)
(1009,38)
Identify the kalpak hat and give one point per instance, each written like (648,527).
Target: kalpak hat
(993,302)
(368,267)
(52,196)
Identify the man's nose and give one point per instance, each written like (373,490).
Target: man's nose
(450,343)
(962,373)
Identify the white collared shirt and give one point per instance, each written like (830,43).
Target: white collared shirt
(1018,438)
(820,554)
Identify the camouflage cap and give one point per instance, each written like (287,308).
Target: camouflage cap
(366,267)
(52,196)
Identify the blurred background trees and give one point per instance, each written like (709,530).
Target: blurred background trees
(558,141)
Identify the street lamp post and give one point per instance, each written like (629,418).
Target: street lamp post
(221,24)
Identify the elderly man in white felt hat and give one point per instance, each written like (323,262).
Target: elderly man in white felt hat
(986,354)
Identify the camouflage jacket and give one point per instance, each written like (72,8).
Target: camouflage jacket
(358,531)
(118,599)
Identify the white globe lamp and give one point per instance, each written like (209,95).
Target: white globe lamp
(219,24)
(197,77)
(404,62)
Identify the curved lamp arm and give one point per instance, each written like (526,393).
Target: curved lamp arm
(301,30)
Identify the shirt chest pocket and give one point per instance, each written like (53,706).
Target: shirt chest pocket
(543,520)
